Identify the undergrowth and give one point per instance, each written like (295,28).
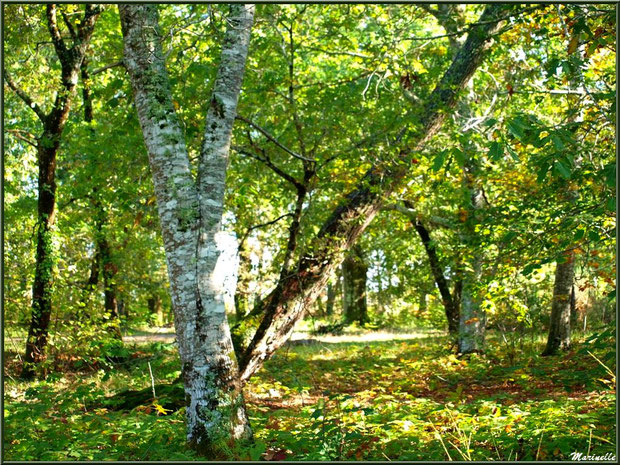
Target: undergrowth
(400,399)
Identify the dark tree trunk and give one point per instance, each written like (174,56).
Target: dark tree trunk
(284,306)
(559,325)
(42,288)
(449,304)
(155,308)
(109,288)
(354,303)
(332,290)
(47,150)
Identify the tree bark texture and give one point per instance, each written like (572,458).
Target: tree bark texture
(190,215)
(559,325)
(472,321)
(285,305)
(47,149)
(354,301)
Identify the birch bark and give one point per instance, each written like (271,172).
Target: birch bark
(190,213)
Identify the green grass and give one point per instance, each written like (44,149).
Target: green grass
(365,399)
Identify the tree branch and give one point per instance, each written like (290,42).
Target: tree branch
(271,138)
(107,67)
(267,162)
(25,97)
(52,25)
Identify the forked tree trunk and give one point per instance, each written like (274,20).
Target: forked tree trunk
(354,302)
(47,149)
(559,325)
(190,215)
(285,305)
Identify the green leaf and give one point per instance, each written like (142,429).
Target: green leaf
(496,151)
(510,235)
(459,156)
(512,153)
(515,127)
(561,169)
(578,235)
(557,143)
(593,235)
(440,158)
(611,204)
(542,172)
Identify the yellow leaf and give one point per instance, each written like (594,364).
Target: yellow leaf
(160,409)
(572,45)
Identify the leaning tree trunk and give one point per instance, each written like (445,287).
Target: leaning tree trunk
(559,326)
(354,302)
(285,305)
(48,144)
(449,303)
(190,215)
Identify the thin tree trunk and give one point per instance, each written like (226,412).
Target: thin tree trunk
(109,271)
(190,215)
(47,149)
(285,305)
(559,325)
(243,283)
(451,309)
(355,307)
(332,289)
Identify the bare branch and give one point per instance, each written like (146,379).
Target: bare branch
(271,138)
(25,97)
(65,18)
(107,67)
(17,133)
(265,160)
(262,225)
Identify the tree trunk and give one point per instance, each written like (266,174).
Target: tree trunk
(449,304)
(472,321)
(243,283)
(109,272)
(47,149)
(190,216)
(155,309)
(284,306)
(332,289)
(559,325)
(354,302)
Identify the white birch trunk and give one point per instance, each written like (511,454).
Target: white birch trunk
(190,218)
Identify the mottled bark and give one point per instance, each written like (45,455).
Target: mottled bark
(242,289)
(286,303)
(48,145)
(472,321)
(190,215)
(354,302)
(559,325)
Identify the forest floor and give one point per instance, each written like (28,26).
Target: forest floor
(359,396)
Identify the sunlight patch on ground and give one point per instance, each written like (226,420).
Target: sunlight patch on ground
(365,336)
